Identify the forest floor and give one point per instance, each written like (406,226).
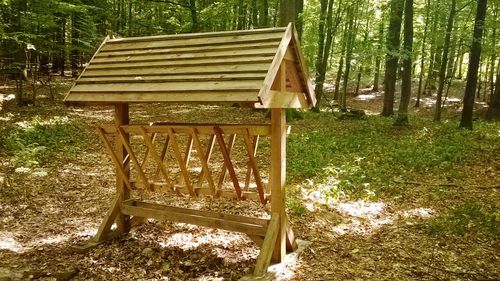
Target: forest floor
(377,202)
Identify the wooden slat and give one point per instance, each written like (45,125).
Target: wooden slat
(203,41)
(197,35)
(249,169)
(163,154)
(203,160)
(147,153)
(230,144)
(171,87)
(199,191)
(209,54)
(202,218)
(156,157)
(174,78)
(132,97)
(176,70)
(114,157)
(264,258)
(191,49)
(208,155)
(244,219)
(227,161)
(180,160)
(253,164)
(177,63)
(201,128)
(126,145)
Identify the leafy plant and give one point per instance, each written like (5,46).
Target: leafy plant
(40,142)
(468,218)
(364,158)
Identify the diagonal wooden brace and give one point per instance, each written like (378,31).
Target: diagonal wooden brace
(114,157)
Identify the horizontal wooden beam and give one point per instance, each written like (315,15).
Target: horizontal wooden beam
(194,41)
(155,97)
(208,54)
(190,49)
(197,35)
(176,70)
(189,87)
(184,128)
(248,225)
(176,63)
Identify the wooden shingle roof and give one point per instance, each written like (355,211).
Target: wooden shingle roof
(234,67)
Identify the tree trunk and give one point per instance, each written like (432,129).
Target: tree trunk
(493,112)
(444,61)
(402,118)
(265,14)
(351,37)
(423,57)
(475,55)
(287,12)
(325,28)
(392,56)
(376,79)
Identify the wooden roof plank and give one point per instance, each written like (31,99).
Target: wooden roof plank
(178,70)
(208,54)
(205,41)
(215,96)
(170,86)
(169,63)
(192,49)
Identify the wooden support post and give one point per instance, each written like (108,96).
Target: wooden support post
(278,169)
(278,176)
(268,245)
(122,118)
(121,159)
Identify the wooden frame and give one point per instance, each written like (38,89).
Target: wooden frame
(260,68)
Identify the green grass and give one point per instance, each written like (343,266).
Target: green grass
(364,157)
(467,219)
(41,142)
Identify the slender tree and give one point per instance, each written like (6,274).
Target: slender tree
(392,55)
(402,118)
(475,56)
(444,60)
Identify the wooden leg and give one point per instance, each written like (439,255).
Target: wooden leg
(266,252)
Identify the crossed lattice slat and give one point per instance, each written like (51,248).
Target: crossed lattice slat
(216,134)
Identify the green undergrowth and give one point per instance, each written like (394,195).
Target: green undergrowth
(41,142)
(364,158)
(468,218)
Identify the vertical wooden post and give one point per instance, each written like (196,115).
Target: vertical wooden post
(278,169)
(122,118)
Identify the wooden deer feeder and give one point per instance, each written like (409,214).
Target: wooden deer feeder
(262,68)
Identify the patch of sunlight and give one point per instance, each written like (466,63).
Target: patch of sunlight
(417,213)
(428,101)
(286,270)
(188,241)
(361,208)
(371,112)
(86,232)
(52,240)
(453,100)
(9,242)
(52,121)
(365,217)
(366,97)
(7,116)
